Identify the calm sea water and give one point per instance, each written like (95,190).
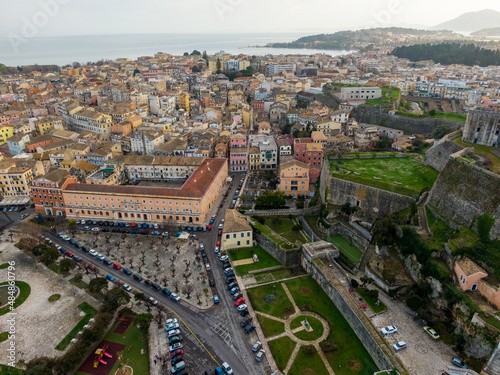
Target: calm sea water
(65,50)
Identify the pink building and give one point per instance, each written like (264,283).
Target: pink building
(471,278)
(238,160)
(238,141)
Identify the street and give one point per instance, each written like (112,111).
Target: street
(222,319)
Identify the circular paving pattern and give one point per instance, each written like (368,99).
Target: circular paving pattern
(302,334)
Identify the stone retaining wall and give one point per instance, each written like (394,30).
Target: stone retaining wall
(349,234)
(285,257)
(284,212)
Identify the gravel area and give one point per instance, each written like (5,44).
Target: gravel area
(40,324)
(423,355)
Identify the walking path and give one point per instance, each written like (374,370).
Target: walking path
(299,342)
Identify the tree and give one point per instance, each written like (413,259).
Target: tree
(384,231)
(187,290)
(98,285)
(195,69)
(441,131)
(33,234)
(271,200)
(484,224)
(432,112)
(347,209)
(116,297)
(72,227)
(218,66)
(205,56)
(244,197)
(196,53)
(186,53)
(50,256)
(175,284)
(66,265)
(139,297)
(143,321)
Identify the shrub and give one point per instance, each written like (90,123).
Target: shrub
(354,283)
(484,224)
(328,346)
(269,298)
(309,349)
(414,303)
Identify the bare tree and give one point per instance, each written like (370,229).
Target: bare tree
(107,250)
(175,284)
(128,247)
(159,316)
(122,257)
(172,258)
(118,244)
(186,277)
(32,233)
(147,303)
(143,260)
(187,290)
(139,267)
(157,263)
(96,236)
(198,295)
(131,262)
(124,236)
(164,280)
(172,270)
(188,263)
(108,237)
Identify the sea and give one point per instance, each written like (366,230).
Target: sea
(62,50)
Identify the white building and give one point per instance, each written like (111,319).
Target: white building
(361,93)
(145,142)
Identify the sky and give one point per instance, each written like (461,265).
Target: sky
(95,17)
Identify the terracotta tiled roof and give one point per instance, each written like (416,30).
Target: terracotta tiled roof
(469,267)
(235,222)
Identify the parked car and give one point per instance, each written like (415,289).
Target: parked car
(239,301)
(223,258)
(256,346)
(126,287)
(174,347)
(244,313)
(137,277)
(148,282)
(227,368)
(93,252)
(176,353)
(237,296)
(175,297)
(216,298)
(110,277)
(173,332)
(178,367)
(175,339)
(100,256)
(242,307)
(118,266)
(217,249)
(91,267)
(166,291)
(399,346)
(127,271)
(388,330)
(176,360)
(244,322)
(156,286)
(458,362)
(431,332)
(107,262)
(249,328)
(259,355)
(95,229)
(211,282)
(153,301)
(207,266)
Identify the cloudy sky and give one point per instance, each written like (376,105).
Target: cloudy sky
(91,17)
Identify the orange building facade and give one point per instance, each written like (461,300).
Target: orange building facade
(189,204)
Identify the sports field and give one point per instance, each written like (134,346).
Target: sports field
(399,175)
(351,252)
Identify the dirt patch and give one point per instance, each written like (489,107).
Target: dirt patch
(304,291)
(354,364)
(308,371)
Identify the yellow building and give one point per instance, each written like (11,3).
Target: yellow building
(44,125)
(254,158)
(237,231)
(184,100)
(15,180)
(6,131)
(243,64)
(294,178)
(247,113)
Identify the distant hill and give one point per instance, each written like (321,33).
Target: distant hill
(495,31)
(354,39)
(472,21)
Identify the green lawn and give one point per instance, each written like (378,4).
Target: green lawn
(304,335)
(412,175)
(265,260)
(490,320)
(286,228)
(484,151)
(439,115)
(306,291)
(270,327)
(277,307)
(89,314)
(441,232)
(352,252)
(308,364)
(377,309)
(282,349)
(4,266)
(272,236)
(132,352)
(12,370)
(24,293)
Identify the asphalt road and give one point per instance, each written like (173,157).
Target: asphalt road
(236,351)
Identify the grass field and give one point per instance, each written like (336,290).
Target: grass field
(412,175)
(308,364)
(276,275)
(270,327)
(89,314)
(282,349)
(277,307)
(11,370)
(265,260)
(272,235)
(352,252)
(24,292)
(304,335)
(438,115)
(306,291)
(286,228)
(484,151)
(377,309)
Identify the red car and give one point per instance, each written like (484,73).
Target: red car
(133,225)
(176,353)
(218,243)
(70,254)
(220,232)
(209,227)
(239,301)
(91,267)
(117,266)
